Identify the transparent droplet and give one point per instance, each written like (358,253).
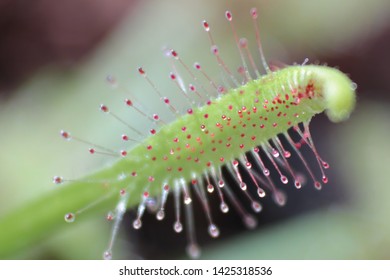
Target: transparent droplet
(178,227)
(107,255)
(70,217)
(256,206)
(260,192)
(193,251)
(297,184)
(266,172)
(275,153)
(210,188)
(151,204)
(111,80)
(250,222)
(187,199)
(213,231)
(243,186)
(137,224)
(110,216)
(301,178)
(160,215)
(279,198)
(284,179)
(287,154)
(224,208)
(317,185)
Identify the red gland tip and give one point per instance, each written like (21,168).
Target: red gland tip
(58,180)
(206,26)
(65,134)
(128,102)
(141,71)
(243,43)
(174,54)
(228,15)
(214,49)
(254,13)
(104,108)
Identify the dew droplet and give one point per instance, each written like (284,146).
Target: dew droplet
(178,227)
(260,192)
(137,224)
(243,42)
(284,179)
(160,215)
(206,26)
(104,108)
(107,255)
(65,135)
(297,184)
(213,231)
(256,207)
(210,188)
(243,186)
(250,222)
(193,251)
(279,198)
(224,208)
(275,153)
(317,185)
(110,216)
(228,15)
(266,172)
(301,178)
(214,49)
(70,217)
(254,13)
(110,79)
(151,204)
(187,199)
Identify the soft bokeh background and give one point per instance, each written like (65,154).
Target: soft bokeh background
(54,60)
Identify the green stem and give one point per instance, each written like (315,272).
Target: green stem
(33,222)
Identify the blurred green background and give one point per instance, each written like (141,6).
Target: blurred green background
(63,90)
